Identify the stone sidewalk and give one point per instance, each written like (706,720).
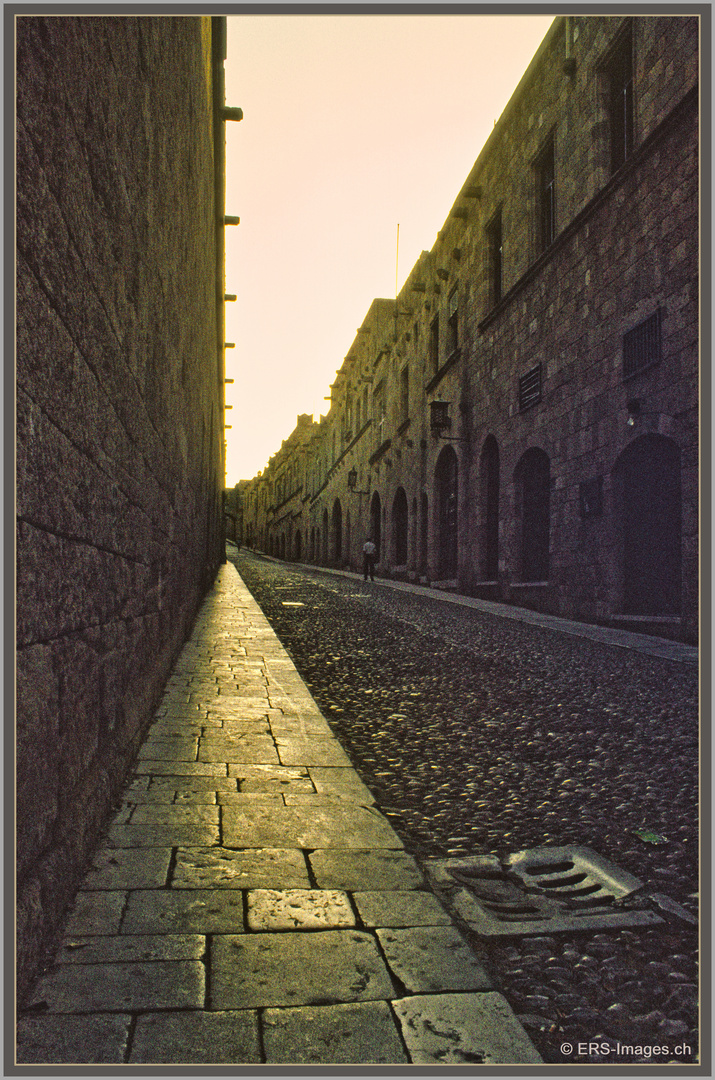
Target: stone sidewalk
(250,905)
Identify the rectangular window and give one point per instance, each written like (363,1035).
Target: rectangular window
(434,343)
(494,254)
(642,345)
(453,323)
(404,394)
(530,388)
(545,196)
(619,72)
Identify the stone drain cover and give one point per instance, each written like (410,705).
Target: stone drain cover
(544,890)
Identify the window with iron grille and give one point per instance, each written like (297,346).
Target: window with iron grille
(530,388)
(642,345)
(545,171)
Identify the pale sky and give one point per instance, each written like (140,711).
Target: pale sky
(353,125)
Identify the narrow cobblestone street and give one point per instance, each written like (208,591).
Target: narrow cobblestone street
(483,734)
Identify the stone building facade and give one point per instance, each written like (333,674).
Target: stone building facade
(120,460)
(521,424)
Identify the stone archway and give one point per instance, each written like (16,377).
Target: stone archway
(446,498)
(337,533)
(489,510)
(532,477)
(647,488)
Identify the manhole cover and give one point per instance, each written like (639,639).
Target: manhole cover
(541,890)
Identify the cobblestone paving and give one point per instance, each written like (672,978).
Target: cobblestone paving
(249,904)
(477,734)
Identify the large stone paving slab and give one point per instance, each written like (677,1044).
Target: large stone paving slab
(258,970)
(109,949)
(181,768)
(298,909)
(270,778)
(96,913)
(184,911)
(412,908)
(203,1038)
(301,727)
(343,782)
(351,870)
(308,827)
(143,836)
(432,958)
(220,868)
(129,868)
(176,784)
(461,1029)
(175,815)
(362,1033)
(73,1040)
(311,751)
(176,749)
(251,749)
(90,988)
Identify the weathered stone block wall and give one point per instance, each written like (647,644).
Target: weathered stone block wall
(119,423)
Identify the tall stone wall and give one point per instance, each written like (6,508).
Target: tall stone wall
(119,415)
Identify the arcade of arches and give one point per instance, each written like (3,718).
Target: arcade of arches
(506,532)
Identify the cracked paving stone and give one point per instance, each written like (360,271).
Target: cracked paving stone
(432,958)
(444,1029)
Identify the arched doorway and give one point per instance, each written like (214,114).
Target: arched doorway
(376,522)
(489,510)
(648,506)
(533,482)
(446,494)
(399,527)
(337,533)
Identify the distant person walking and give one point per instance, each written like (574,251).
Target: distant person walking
(369,555)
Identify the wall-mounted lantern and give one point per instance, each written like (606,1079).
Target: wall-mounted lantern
(440,421)
(352,481)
